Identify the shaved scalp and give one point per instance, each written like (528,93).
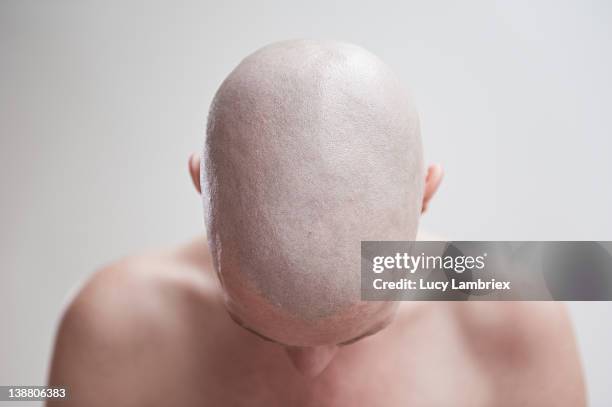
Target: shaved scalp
(312,146)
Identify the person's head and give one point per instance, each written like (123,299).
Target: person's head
(311,147)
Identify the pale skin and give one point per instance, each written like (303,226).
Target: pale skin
(153,330)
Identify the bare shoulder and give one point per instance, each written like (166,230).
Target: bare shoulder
(123,320)
(135,292)
(525,345)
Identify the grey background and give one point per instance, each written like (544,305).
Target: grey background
(101,103)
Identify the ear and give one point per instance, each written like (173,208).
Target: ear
(432,182)
(194,171)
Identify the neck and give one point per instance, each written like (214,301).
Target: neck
(196,252)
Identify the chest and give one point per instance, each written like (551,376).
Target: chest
(377,372)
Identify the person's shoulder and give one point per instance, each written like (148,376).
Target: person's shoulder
(535,340)
(137,288)
(514,318)
(118,322)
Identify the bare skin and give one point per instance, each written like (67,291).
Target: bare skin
(303,139)
(152,330)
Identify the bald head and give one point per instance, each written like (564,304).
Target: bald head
(311,147)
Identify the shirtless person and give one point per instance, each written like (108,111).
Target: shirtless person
(311,147)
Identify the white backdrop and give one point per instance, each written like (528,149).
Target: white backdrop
(101,103)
